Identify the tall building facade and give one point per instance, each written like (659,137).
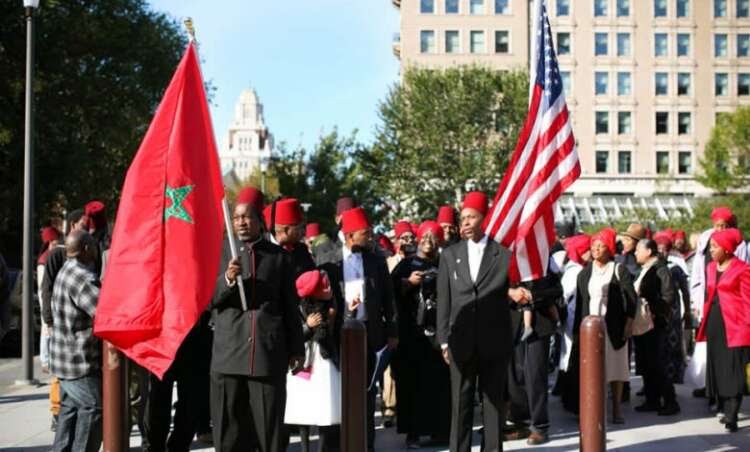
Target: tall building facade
(645,80)
(248,144)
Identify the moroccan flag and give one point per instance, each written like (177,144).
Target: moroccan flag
(167,238)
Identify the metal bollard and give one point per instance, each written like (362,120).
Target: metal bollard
(115,400)
(353,386)
(592,385)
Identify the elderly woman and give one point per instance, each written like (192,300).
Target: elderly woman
(606,289)
(725,325)
(422,378)
(655,288)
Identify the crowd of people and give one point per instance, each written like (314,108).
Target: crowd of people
(437,302)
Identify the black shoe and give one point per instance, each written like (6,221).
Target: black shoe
(699,393)
(731,427)
(53,425)
(647,407)
(669,410)
(388,421)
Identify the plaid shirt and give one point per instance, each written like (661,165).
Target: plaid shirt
(74,351)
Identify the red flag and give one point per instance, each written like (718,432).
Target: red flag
(166,244)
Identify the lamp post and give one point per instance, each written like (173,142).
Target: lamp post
(27,317)
(263,169)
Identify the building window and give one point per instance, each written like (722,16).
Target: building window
(600,44)
(562,8)
(660,44)
(683,44)
(683,8)
(565,76)
(720,8)
(624,84)
(451,6)
(660,8)
(743,84)
(662,162)
(600,8)
(624,162)
(623,44)
(662,122)
(683,84)
(661,83)
(743,45)
(721,84)
(602,161)
(601,80)
(476,6)
(427,41)
(602,122)
(563,43)
(502,41)
(427,6)
(452,41)
(685,162)
(720,45)
(623,8)
(684,122)
(743,8)
(624,123)
(502,6)
(477,41)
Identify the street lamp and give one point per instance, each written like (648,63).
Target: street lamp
(27,316)
(263,169)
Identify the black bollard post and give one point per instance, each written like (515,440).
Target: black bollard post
(353,386)
(592,384)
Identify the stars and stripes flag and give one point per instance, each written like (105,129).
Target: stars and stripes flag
(543,165)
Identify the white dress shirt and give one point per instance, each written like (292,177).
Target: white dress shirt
(476,251)
(354,281)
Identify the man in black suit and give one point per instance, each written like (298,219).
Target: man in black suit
(473,326)
(364,291)
(253,349)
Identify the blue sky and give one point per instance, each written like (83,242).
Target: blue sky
(315,64)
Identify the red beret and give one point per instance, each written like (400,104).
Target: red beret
(400,228)
(312,284)
(354,220)
(665,237)
(267,216)
(576,246)
(288,212)
(728,239)
(680,234)
(344,204)
(49,234)
(95,211)
(722,213)
(608,237)
(446,214)
(251,196)
(386,244)
(432,227)
(476,200)
(312,230)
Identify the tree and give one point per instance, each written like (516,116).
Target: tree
(726,160)
(101,69)
(440,131)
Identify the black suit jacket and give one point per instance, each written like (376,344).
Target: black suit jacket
(474,317)
(658,289)
(260,341)
(379,302)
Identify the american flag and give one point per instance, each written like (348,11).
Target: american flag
(543,165)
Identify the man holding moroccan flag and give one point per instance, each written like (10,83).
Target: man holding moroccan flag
(167,239)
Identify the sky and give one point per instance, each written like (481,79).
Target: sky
(315,64)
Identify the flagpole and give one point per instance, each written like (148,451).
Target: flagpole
(224,204)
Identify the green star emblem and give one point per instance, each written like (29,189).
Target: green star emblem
(176,210)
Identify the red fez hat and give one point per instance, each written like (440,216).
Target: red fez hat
(288,212)
(680,234)
(49,234)
(431,227)
(312,230)
(608,237)
(446,214)
(251,196)
(576,246)
(401,228)
(664,237)
(312,284)
(344,204)
(386,244)
(95,211)
(267,216)
(354,220)
(722,213)
(414,228)
(476,200)
(729,239)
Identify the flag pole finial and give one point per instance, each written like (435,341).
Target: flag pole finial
(188,22)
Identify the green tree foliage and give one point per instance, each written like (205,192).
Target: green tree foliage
(726,160)
(442,129)
(101,69)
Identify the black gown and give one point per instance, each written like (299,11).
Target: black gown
(422,377)
(725,372)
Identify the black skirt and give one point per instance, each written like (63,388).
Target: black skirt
(725,372)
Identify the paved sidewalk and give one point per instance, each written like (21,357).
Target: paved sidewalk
(25,420)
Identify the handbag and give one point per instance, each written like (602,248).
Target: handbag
(643,322)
